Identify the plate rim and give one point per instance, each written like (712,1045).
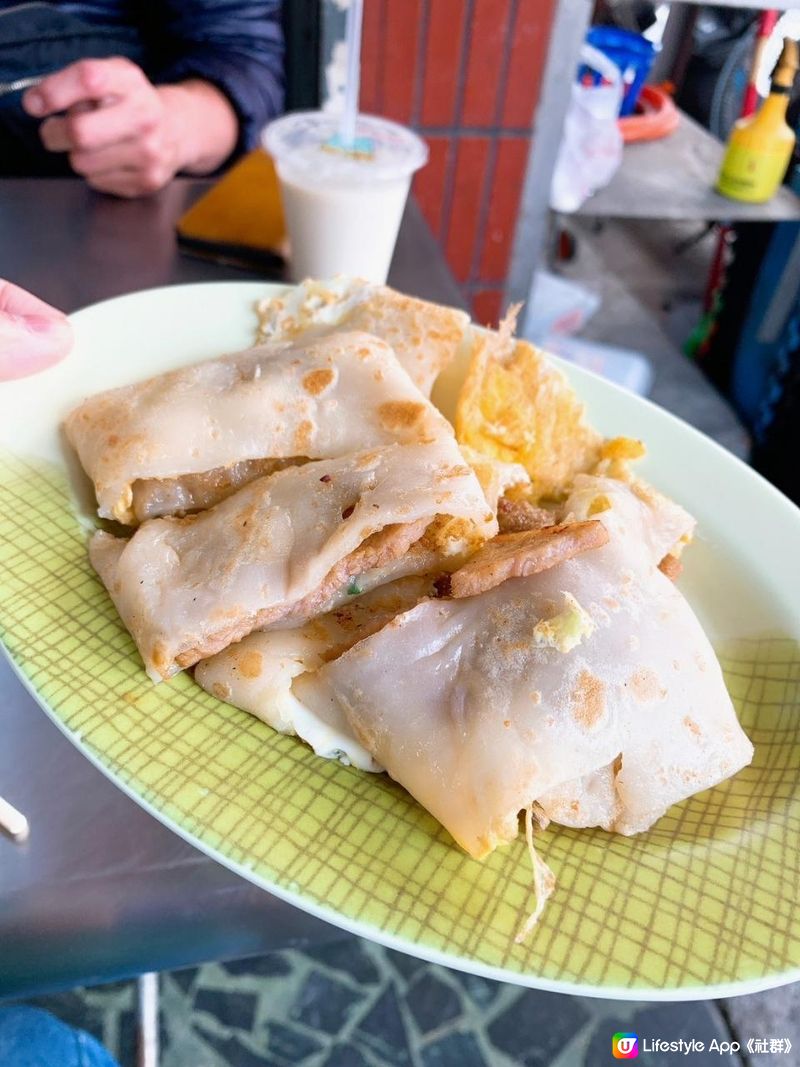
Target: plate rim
(360,928)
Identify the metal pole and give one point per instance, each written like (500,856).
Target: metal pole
(147,1020)
(567,32)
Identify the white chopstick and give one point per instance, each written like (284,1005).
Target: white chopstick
(13,821)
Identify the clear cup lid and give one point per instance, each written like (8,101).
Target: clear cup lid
(307,143)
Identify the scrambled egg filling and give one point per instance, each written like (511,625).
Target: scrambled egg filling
(565,630)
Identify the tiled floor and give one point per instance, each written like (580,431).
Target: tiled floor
(652,294)
(355,1004)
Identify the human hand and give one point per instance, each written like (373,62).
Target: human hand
(33,335)
(125,135)
(112,122)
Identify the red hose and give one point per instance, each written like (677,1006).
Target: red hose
(656,116)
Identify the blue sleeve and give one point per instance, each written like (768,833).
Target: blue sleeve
(237,45)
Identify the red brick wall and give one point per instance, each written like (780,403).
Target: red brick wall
(465,73)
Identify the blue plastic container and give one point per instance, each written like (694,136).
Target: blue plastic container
(633,55)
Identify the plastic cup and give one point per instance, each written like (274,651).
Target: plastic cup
(342,208)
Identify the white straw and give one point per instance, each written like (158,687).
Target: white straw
(13,821)
(347,128)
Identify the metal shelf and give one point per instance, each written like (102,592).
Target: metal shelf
(778,5)
(673,178)
(689,164)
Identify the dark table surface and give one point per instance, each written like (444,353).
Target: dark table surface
(101,889)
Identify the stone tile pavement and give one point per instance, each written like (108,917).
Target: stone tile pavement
(354,1004)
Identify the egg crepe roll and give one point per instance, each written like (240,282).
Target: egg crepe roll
(183,441)
(263,672)
(186,588)
(589,688)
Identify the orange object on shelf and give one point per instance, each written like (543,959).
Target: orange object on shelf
(656,116)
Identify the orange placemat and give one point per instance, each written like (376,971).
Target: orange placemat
(241,212)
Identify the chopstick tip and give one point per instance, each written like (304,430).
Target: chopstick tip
(13,822)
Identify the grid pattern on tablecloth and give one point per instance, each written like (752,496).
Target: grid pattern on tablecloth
(708,896)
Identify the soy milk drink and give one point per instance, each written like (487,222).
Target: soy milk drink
(343,207)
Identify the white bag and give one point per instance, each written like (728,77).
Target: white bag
(591,147)
(557,305)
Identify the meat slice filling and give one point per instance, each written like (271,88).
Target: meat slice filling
(517,555)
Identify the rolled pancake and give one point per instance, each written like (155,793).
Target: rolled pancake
(185,440)
(590,683)
(424,336)
(263,673)
(186,588)
(650,523)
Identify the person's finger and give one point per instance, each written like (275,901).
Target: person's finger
(28,346)
(131,181)
(17,301)
(121,156)
(33,335)
(86,80)
(146,152)
(54,135)
(87,131)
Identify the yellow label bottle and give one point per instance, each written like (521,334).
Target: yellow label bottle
(760,146)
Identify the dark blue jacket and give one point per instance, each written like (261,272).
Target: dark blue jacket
(236,45)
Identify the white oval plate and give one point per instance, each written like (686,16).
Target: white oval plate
(703,905)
